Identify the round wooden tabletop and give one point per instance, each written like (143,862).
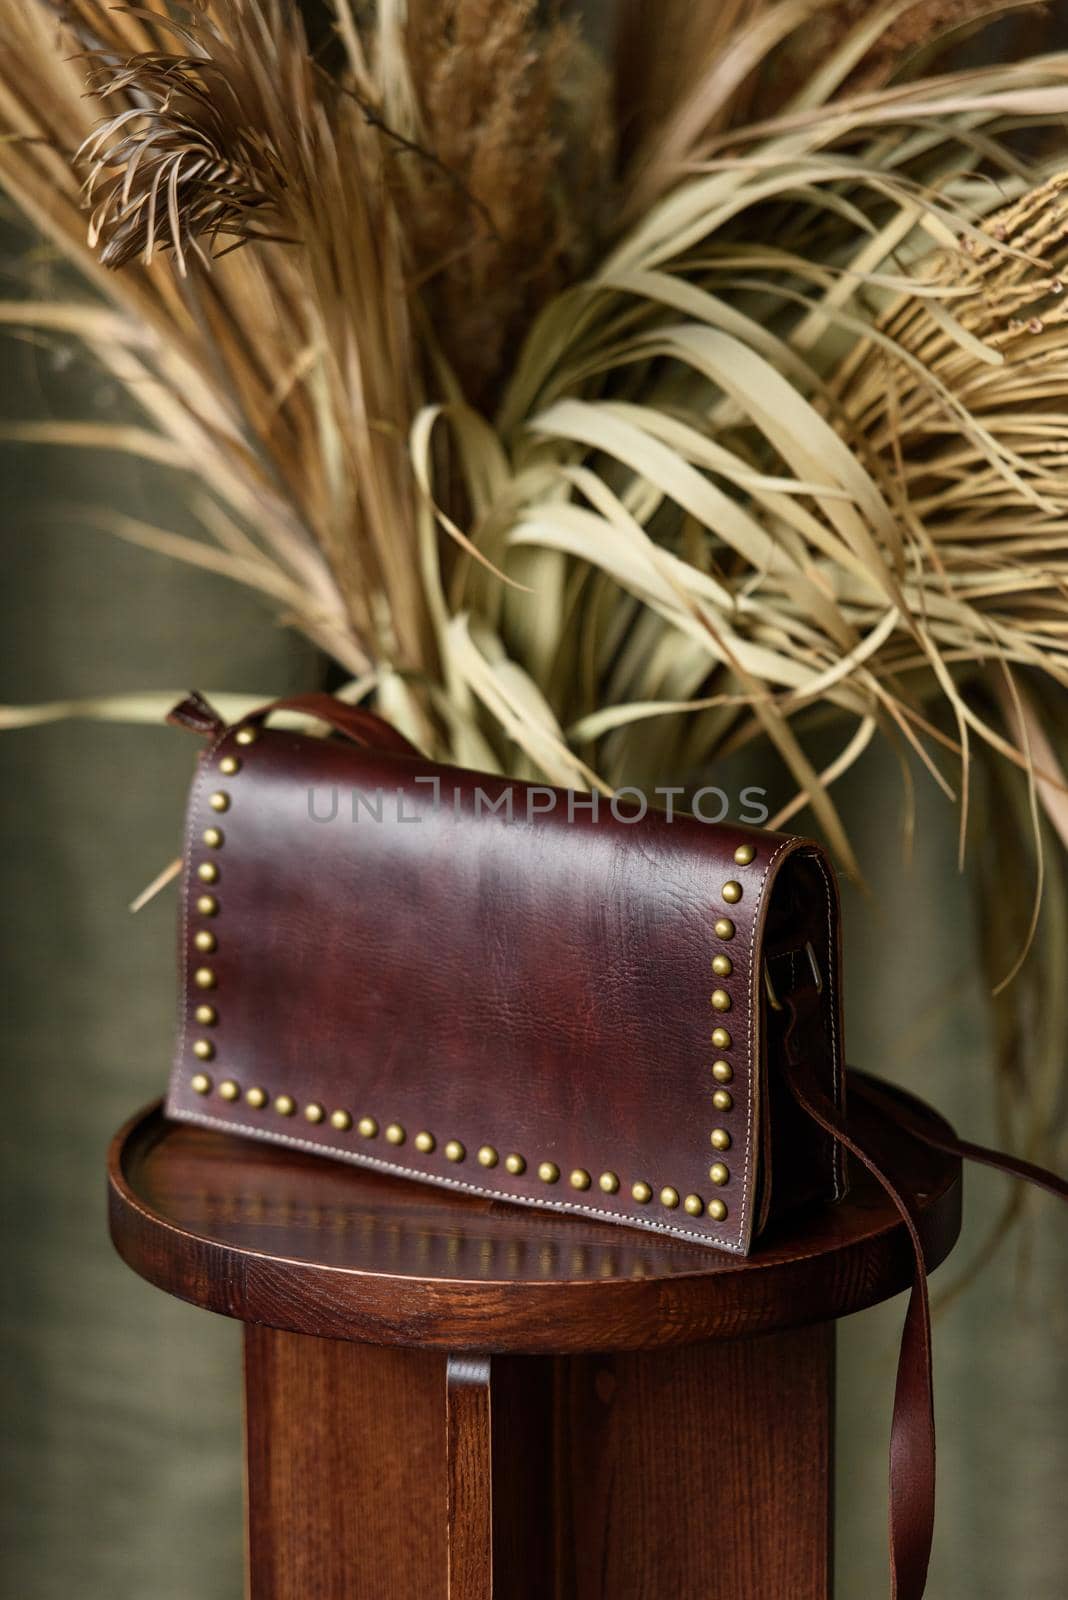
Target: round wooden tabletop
(299,1242)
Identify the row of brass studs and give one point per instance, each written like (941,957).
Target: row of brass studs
(205,941)
(722,1071)
(487,1156)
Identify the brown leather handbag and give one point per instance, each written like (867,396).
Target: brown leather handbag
(484,985)
(528,994)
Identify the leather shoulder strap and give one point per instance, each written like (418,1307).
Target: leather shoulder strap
(1052,1182)
(912,1435)
(363,727)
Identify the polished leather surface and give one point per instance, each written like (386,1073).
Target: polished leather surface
(541,986)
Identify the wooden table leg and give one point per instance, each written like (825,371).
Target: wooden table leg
(345,1467)
(704,1473)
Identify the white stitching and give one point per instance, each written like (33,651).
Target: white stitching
(753,1013)
(835,1046)
(360,1159)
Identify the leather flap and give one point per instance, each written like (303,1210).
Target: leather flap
(379,962)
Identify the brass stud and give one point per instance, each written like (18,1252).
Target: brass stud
(207,905)
(722,1071)
(721,1000)
(208,872)
(228,1089)
(718,1172)
(722,966)
(285,1105)
(693,1205)
(201,1083)
(641,1192)
(608,1183)
(395,1133)
(723,928)
(205,940)
(230,765)
(732,892)
(204,978)
(203,1049)
(720,1139)
(721,1038)
(341,1120)
(515,1164)
(220,801)
(744,854)
(669,1197)
(313,1112)
(722,1100)
(256,1097)
(246,735)
(487,1156)
(213,838)
(579,1179)
(367,1127)
(717,1210)
(454,1150)
(425,1142)
(548,1172)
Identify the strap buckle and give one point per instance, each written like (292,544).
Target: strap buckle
(817,977)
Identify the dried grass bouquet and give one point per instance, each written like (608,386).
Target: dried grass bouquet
(599,408)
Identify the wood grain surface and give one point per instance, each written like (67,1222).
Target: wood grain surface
(345,1470)
(702,1472)
(469,1474)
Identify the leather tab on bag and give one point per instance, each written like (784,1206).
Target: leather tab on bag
(198,715)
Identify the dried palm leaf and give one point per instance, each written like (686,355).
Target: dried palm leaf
(753,396)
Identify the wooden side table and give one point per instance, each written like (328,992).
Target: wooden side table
(452,1397)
